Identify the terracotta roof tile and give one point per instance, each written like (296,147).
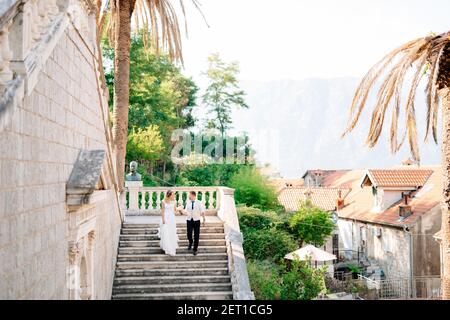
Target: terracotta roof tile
(359,201)
(280,184)
(324,198)
(328,176)
(392,178)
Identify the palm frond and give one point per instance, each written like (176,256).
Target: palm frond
(417,56)
(159,17)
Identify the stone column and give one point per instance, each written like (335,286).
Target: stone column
(73,274)
(88,292)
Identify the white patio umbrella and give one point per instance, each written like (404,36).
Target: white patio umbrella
(310,252)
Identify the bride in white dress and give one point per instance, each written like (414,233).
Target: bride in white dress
(168,226)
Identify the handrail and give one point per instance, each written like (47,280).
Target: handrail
(236,259)
(373,284)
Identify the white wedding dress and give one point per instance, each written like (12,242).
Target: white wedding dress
(168,231)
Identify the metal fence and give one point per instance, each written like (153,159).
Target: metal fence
(428,288)
(343,275)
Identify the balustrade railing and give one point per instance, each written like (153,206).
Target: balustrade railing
(218,201)
(142,200)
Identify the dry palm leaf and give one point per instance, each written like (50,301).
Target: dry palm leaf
(421,56)
(160,17)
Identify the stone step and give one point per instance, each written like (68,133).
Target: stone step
(181,243)
(130,225)
(143,231)
(178,257)
(171,264)
(180,279)
(225,295)
(181,250)
(170,272)
(170,288)
(134,237)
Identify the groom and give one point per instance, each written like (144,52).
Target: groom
(194,209)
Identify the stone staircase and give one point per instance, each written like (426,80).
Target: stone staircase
(144,272)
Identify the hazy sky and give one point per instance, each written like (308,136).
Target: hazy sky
(299,39)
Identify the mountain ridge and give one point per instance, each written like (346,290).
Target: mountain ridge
(297,124)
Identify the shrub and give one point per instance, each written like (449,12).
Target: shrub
(302,282)
(243,209)
(207,174)
(265,280)
(283,218)
(270,244)
(272,282)
(251,219)
(252,189)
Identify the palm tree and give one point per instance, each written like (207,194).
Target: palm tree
(160,17)
(428,56)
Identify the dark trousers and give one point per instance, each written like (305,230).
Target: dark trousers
(195,227)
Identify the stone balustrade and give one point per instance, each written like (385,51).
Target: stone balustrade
(137,200)
(144,200)
(236,259)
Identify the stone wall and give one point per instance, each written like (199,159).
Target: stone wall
(426,260)
(38,147)
(390,250)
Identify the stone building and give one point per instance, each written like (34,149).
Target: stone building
(386,218)
(391,216)
(58,229)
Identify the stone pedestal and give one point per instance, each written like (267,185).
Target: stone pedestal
(133,188)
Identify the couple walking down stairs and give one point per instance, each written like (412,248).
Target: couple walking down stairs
(143,271)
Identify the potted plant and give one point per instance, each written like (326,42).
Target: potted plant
(354,269)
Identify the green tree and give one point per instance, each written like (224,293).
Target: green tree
(223,92)
(311,225)
(161,18)
(207,174)
(253,189)
(159,95)
(145,144)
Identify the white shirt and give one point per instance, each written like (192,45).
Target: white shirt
(196,212)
